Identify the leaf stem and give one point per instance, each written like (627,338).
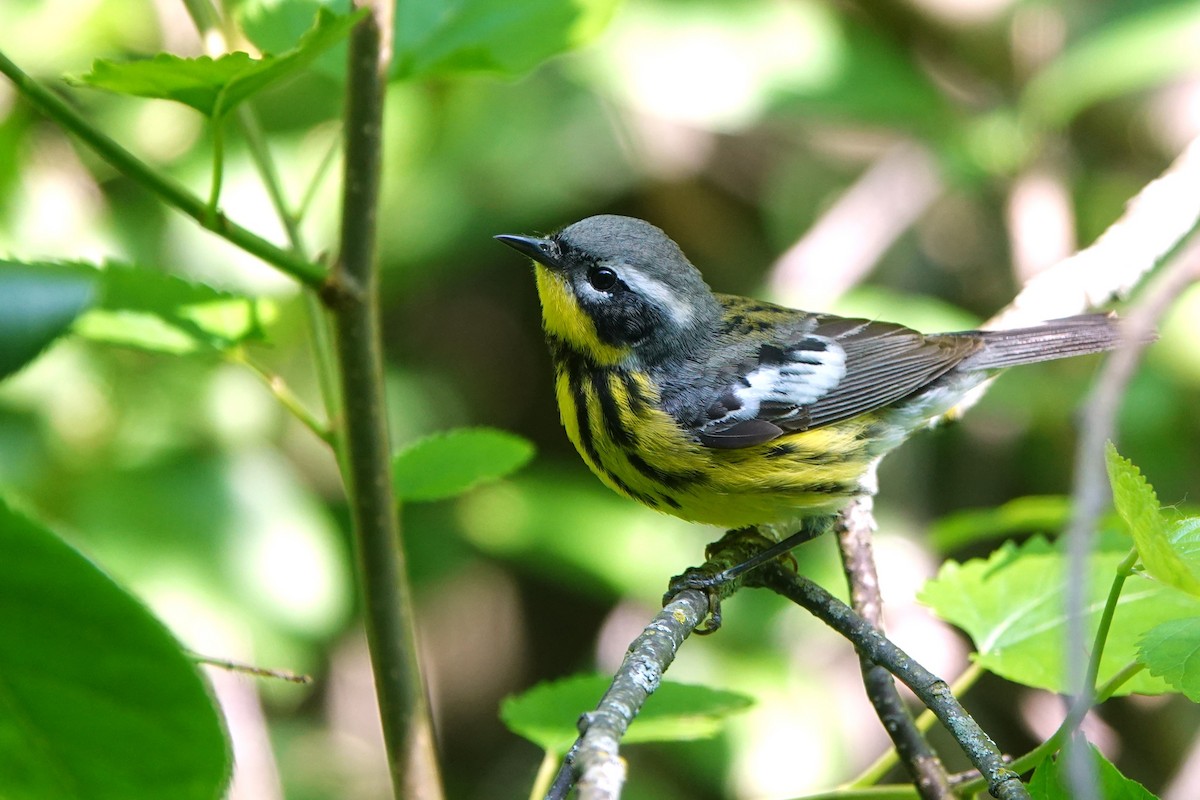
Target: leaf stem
(310,193)
(217,126)
(172,193)
(286,397)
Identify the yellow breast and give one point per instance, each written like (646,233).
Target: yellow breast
(614,420)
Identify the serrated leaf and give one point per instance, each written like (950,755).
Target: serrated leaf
(1135,52)
(214,86)
(1012,606)
(1034,514)
(448,464)
(1049,781)
(1138,506)
(1172,650)
(38,303)
(547,714)
(97,699)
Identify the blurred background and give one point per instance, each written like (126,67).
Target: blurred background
(912,160)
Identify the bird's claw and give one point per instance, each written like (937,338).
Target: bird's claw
(708,582)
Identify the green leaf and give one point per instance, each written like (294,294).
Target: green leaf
(119,304)
(1172,650)
(871,80)
(38,303)
(1138,506)
(547,714)
(1012,605)
(1036,514)
(97,699)
(1049,781)
(162,312)
(448,464)
(1136,52)
(214,86)
(435,38)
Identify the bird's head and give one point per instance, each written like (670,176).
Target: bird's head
(617,289)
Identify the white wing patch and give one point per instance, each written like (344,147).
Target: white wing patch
(804,376)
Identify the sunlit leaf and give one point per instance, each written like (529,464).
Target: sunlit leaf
(158,311)
(447,464)
(1138,506)
(1049,781)
(1012,605)
(38,303)
(547,714)
(98,699)
(1172,650)
(214,86)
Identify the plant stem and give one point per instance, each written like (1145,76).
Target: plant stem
(173,194)
(1002,781)
(352,297)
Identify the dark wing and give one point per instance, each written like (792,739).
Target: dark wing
(823,370)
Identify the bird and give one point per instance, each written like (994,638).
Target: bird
(736,412)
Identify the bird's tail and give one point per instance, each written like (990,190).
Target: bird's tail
(1058,338)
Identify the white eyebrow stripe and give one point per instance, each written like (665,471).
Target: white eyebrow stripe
(655,290)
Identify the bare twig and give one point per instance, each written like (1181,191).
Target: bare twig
(1163,214)
(854,528)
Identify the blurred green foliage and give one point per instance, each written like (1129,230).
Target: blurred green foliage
(734,127)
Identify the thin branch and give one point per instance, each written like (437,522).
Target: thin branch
(1162,215)
(875,772)
(250,669)
(854,528)
(352,298)
(170,192)
(1002,782)
(594,758)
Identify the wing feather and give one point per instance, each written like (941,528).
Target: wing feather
(806,371)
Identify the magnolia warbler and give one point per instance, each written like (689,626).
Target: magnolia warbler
(739,413)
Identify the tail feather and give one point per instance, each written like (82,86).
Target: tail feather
(1059,338)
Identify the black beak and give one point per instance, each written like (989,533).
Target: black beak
(543,251)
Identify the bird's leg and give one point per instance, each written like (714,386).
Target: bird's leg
(730,557)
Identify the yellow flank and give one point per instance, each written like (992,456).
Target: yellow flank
(643,454)
(563,317)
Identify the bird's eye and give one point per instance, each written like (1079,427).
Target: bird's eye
(602,278)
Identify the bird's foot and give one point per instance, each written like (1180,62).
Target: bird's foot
(728,558)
